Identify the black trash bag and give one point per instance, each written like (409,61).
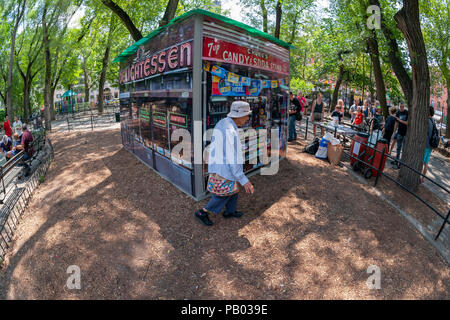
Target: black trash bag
(313,147)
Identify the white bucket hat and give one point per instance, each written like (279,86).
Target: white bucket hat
(239,109)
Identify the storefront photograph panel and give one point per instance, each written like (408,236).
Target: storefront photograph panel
(158,77)
(125,116)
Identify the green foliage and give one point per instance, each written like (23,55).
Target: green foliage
(301,85)
(436,30)
(2,115)
(325,37)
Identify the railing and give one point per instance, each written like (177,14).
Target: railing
(381,173)
(6,169)
(90,121)
(15,200)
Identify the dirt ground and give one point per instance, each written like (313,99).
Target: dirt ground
(310,232)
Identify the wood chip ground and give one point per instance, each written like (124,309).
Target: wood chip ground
(310,232)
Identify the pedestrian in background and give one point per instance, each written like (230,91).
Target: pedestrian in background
(389,126)
(318,107)
(401,125)
(428,149)
(17,126)
(352,110)
(295,107)
(7,127)
(359,118)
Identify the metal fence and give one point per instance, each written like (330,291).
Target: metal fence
(379,170)
(16,190)
(87,120)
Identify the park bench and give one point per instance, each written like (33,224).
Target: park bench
(11,196)
(37,146)
(13,203)
(9,218)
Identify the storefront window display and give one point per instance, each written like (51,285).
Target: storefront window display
(267,98)
(167,116)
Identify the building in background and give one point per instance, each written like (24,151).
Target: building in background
(438,100)
(75,95)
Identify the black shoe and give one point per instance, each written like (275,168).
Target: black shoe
(203,217)
(236,214)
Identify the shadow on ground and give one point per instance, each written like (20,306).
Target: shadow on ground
(310,232)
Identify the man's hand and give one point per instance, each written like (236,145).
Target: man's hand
(249,187)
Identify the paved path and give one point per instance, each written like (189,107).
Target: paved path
(439,170)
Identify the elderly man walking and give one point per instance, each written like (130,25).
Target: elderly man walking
(225,165)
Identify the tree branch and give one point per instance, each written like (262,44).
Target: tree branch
(135,33)
(169,14)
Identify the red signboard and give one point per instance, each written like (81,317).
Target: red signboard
(224,51)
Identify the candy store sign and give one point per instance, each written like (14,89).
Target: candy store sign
(224,51)
(147,64)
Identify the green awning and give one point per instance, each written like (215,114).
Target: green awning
(250,30)
(68,93)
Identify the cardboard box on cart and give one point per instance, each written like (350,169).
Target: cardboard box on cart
(184,76)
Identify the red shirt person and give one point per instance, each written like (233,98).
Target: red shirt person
(302,100)
(7,127)
(359,117)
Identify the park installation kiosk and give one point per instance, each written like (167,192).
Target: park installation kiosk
(185,75)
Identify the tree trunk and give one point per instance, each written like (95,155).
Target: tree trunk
(26,99)
(264,15)
(278,12)
(334,99)
(409,24)
(169,14)
(102,81)
(48,72)
(447,130)
(19,15)
(52,103)
(134,32)
(294,28)
(395,59)
(375,57)
(86,83)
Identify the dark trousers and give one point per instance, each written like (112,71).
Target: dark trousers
(400,143)
(292,130)
(388,135)
(217,203)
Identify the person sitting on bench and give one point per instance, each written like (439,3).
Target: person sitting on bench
(26,143)
(15,143)
(6,144)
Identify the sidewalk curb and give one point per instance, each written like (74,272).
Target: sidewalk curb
(445,253)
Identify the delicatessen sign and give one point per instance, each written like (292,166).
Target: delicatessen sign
(147,64)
